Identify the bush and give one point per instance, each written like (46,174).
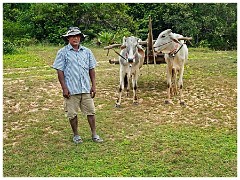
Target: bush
(8,47)
(25,42)
(204,44)
(11,46)
(107,38)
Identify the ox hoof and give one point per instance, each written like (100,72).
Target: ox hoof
(182,103)
(168,102)
(135,103)
(117,105)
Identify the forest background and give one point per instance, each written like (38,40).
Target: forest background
(212,25)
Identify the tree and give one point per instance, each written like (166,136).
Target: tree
(212,25)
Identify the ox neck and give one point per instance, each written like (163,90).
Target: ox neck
(175,47)
(175,50)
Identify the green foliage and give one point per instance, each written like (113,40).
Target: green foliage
(107,38)
(12,45)
(9,47)
(215,23)
(121,33)
(15,30)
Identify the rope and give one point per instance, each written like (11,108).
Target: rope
(173,54)
(119,54)
(163,44)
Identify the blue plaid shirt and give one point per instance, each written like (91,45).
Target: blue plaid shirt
(76,66)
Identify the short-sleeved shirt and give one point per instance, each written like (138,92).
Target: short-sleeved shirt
(76,66)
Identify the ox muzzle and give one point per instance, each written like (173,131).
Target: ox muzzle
(130,60)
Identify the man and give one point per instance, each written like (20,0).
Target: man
(75,68)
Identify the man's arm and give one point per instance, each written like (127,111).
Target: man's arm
(92,77)
(65,90)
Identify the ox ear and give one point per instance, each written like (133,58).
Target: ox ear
(141,51)
(124,39)
(168,30)
(123,46)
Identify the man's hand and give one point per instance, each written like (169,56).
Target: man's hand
(93,92)
(66,93)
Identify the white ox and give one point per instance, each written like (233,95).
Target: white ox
(131,59)
(175,53)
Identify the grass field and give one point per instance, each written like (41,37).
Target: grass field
(148,140)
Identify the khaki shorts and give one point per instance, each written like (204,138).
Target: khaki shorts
(82,101)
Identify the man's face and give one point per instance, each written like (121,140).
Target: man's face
(74,40)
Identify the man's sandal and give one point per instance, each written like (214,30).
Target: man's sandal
(97,139)
(77,139)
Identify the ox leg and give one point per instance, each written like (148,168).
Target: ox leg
(121,87)
(134,84)
(174,82)
(180,84)
(169,85)
(128,76)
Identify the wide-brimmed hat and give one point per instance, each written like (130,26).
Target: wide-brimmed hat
(72,31)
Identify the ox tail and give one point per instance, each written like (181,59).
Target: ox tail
(125,81)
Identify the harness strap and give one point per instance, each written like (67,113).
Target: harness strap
(173,54)
(179,48)
(119,54)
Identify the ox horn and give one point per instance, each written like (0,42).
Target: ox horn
(185,38)
(145,42)
(142,42)
(112,46)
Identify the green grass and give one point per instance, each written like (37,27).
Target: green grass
(148,140)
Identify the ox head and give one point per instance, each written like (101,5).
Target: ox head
(164,41)
(131,46)
(167,40)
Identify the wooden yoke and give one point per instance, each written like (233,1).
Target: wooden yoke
(112,46)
